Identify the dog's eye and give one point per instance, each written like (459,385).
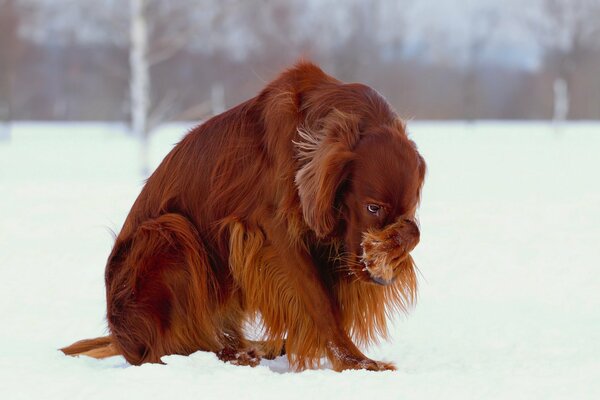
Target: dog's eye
(373,208)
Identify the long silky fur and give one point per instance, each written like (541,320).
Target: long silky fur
(224,231)
(367,308)
(258,271)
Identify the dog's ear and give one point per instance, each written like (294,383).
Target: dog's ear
(326,154)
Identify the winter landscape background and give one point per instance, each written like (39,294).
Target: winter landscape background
(432,59)
(502,99)
(509,303)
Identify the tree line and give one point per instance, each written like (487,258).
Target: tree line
(72,60)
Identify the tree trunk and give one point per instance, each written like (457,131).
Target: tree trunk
(9,21)
(217,98)
(561,103)
(140,79)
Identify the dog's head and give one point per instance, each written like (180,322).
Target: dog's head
(360,184)
(380,203)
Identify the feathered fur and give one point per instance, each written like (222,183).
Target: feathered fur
(261,213)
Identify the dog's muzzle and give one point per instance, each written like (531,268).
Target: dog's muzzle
(385,251)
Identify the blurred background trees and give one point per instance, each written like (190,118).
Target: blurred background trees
(450,59)
(9,57)
(568,33)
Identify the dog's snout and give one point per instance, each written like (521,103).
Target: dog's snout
(408,234)
(411,226)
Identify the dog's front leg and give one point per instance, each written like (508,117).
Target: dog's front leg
(298,301)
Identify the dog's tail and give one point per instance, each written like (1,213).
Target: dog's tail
(100,347)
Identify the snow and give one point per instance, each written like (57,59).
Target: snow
(509,301)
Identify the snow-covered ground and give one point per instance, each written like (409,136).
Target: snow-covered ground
(509,303)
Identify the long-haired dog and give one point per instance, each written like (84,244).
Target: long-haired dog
(296,207)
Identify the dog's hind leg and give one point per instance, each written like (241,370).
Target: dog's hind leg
(161,292)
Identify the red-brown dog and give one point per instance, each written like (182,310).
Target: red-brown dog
(297,206)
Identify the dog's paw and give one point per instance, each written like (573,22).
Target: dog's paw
(362,363)
(372,365)
(239,357)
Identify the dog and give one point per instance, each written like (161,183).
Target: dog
(295,208)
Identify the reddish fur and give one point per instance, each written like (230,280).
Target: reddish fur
(260,212)
(101,347)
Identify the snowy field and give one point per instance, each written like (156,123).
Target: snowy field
(509,301)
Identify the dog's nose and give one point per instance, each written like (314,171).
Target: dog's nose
(408,234)
(411,227)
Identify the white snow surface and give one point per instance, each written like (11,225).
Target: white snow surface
(509,299)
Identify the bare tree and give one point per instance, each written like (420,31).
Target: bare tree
(140,78)
(9,50)
(158,31)
(568,32)
(375,31)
